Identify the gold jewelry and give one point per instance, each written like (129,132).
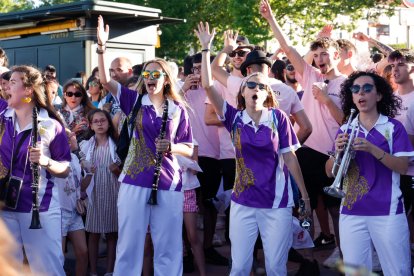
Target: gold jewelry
(26,99)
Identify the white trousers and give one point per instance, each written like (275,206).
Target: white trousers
(390,236)
(275,226)
(43,247)
(165,221)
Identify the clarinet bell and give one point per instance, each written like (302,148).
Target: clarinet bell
(153,198)
(35,223)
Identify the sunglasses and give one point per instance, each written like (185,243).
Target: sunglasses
(290,67)
(154,75)
(101,121)
(239,53)
(93,83)
(77,94)
(253,84)
(196,69)
(366,88)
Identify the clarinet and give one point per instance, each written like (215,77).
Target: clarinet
(35,223)
(158,159)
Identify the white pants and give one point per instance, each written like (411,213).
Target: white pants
(275,226)
(390,236)
(165,220)
(43,247)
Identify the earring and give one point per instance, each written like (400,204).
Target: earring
(26,100)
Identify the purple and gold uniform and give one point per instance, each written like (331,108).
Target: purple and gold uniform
(42,246)
(134,214)
(262,194)
(373,209)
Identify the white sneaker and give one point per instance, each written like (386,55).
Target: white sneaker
(333,259)
(376,266)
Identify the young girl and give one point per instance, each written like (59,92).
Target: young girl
(101,216)
(72,224)
(265,143)
(134,213)
(43,247)
(372,210)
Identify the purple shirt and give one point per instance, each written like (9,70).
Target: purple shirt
(371,188)
(262,179)
(140,162)
(55,145)
(3,104)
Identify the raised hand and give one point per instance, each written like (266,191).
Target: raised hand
(325,32)
(204,35)
(102,33)
(265,9)
(361,37)
(230,39)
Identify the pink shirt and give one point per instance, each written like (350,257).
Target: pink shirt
(207,136)
(287,97)
(323,123)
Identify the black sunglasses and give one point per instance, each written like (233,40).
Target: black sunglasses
(77,94)
(366,88)
(239,53)
(253,84)
(290,67)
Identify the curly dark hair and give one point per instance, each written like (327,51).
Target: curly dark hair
(389,105)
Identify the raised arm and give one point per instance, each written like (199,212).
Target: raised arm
(217,68)
(293,55)
(102,35)
(205,37)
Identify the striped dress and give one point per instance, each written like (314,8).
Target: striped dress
(102,216)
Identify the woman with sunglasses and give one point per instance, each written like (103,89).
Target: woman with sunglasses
(157,85)
(95,90)
(42,246)
(75,108)
(265,142)
(372,211)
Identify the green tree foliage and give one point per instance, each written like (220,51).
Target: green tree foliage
(15,5)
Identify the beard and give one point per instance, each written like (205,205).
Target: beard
(291,80)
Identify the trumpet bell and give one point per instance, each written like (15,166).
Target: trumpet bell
(334,191)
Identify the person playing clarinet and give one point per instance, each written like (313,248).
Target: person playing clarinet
(42,244)
(157,85)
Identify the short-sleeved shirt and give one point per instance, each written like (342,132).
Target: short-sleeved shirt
(139,165)
(207,136)
(371,188)
(262,179)
(69,187)
(324,125)
(287,97)
(55,145)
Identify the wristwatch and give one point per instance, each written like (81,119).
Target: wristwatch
(48,165)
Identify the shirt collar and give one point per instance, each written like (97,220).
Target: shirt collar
(42,116)
(263,118)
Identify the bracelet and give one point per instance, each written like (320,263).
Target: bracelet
(89,174)
(307,199)
(382,157)
(48,165)
(101,44)
(205,50)
(100,51)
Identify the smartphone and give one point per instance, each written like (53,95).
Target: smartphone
(13,188)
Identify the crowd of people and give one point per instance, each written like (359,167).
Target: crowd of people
(270,128)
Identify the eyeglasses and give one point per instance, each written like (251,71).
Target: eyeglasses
(154,75)
(253,84)
(239,53)
(93,83)
(290,67)
(366,88)
(99,122)
(196,69)
(77,94)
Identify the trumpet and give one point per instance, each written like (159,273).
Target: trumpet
(342,161)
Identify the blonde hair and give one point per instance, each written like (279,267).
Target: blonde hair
(169,89)
(270,101)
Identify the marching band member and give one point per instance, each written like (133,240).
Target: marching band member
(265,143)
(157,86)
(372,209)
(42,246)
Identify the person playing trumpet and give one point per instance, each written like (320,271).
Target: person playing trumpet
(372,210)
